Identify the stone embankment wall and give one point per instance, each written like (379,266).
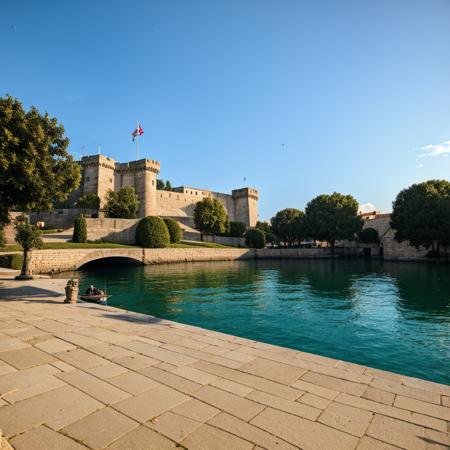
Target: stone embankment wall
(46,261)
(120,231)
(60,218)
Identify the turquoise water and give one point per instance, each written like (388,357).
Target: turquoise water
(393,316)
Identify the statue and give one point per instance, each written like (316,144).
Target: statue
(71,291)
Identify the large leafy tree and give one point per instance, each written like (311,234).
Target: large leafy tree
(35,167)
(210,216)
(421,215)
(123,204)
(333,217)
(288,226)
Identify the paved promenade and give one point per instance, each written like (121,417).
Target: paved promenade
(85,376)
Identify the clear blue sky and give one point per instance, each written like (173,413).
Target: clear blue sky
(299,97)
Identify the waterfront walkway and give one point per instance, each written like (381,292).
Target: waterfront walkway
(86,376)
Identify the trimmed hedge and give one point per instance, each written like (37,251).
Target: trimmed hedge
(11,261)
(152,232)
(79,229)
(255,238)
(175,231)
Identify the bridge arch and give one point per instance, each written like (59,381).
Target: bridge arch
(122,255)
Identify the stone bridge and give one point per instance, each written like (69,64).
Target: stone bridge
(46,261)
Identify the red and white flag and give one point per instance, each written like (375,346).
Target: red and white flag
(137,132)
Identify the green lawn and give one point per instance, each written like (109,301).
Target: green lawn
(64,245)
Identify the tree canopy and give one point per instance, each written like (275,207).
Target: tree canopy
(368,236)
(237,229)
(88,201)
(333,217)
(288,225)
(421,214)
(210,216)
(163,186)
(36,169)
(123,204)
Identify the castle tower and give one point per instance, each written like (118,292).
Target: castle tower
(141,175)
(246,205)
(98,176)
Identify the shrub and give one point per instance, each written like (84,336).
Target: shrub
(152,232)
(79,229)
(237,229)
(369,236)
(11,261)
(2,238)
(255,238)
(175,230)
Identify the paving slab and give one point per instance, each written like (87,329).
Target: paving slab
(207,437)
(26,357)
(43,438)
(174,426)
(100,428)
(142,438)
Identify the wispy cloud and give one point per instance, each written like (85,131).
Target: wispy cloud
(442,149)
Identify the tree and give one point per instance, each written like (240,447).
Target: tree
(79,229)
(369,236)
(27,236)
(421,215)
(152,232)
(175,231)
(123,204)
(160,185)
(210,216)
(36,169)
(255,238)
(237,229)
(333,217)
(267,230)
(288,226)
(168,186)
(88,201)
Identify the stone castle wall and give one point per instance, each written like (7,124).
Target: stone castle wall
(101,174)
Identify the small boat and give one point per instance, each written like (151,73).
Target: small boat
(99,298)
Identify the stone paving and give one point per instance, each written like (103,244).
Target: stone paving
(91,377)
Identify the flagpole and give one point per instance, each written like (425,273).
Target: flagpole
(137,141)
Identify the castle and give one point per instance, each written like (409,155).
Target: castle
(101,174)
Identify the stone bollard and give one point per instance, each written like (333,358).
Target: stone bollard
(71,291)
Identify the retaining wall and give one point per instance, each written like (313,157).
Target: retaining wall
(45,261)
